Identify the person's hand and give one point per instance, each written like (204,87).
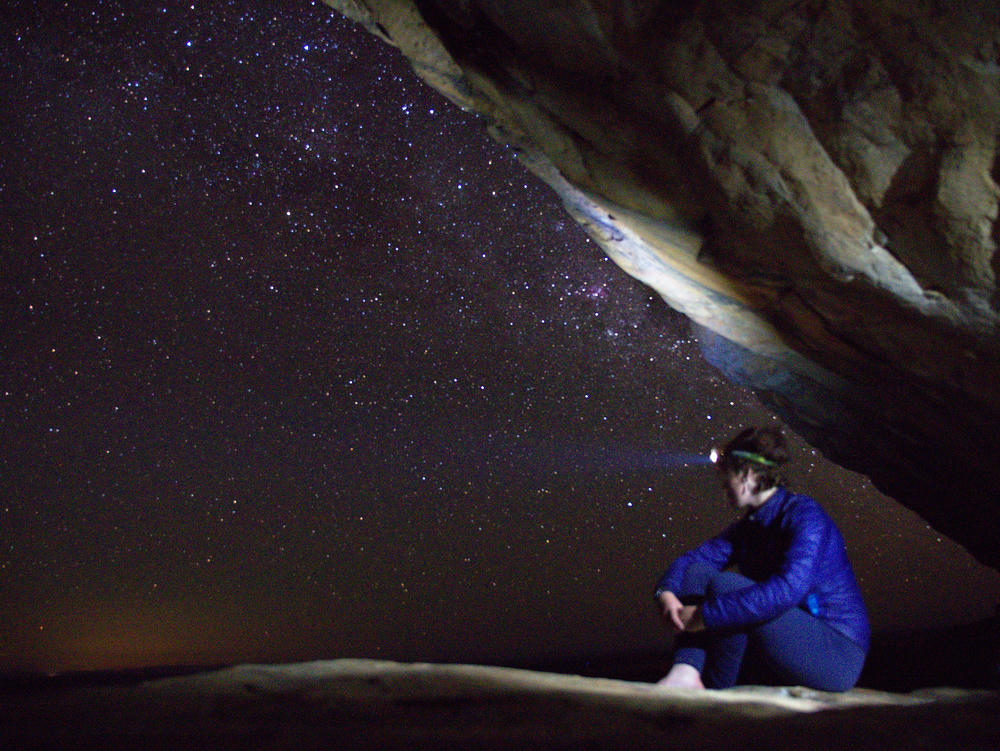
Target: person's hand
(690,616)
(680,617)
(671,609)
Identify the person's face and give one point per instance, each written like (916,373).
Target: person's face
(739,489)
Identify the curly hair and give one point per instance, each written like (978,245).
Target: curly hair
(764,450)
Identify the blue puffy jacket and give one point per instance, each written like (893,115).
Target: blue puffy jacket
(796,554)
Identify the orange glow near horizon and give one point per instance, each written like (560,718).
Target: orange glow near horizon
(113,636)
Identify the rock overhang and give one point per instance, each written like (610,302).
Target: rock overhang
(813,184)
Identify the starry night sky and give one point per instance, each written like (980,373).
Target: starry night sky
(296,363)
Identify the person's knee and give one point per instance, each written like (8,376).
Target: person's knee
(696,580)
(725,582)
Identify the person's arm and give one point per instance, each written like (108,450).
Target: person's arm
(716,553)
(808,526)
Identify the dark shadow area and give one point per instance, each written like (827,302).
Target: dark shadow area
(27,681)
(965,656)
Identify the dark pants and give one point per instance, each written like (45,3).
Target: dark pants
(796,647)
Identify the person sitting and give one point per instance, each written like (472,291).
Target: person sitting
(794,600)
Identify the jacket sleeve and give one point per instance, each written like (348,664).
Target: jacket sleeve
(716,553)
(808,527)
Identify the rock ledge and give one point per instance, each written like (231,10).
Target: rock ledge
(376,704)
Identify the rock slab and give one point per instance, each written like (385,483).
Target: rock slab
(366,704)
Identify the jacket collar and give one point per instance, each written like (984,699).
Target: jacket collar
(764,513)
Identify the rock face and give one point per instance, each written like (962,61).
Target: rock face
(365,704)
(813,183)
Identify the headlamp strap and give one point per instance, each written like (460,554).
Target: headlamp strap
(754,457)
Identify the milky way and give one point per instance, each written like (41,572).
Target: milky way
(298,363)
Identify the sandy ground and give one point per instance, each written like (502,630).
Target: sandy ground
(365,704)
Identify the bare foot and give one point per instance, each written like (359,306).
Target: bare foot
(681,675)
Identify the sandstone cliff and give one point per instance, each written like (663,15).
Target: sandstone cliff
(813,183)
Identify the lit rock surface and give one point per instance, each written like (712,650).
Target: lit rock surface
(814,184)
(348,704)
